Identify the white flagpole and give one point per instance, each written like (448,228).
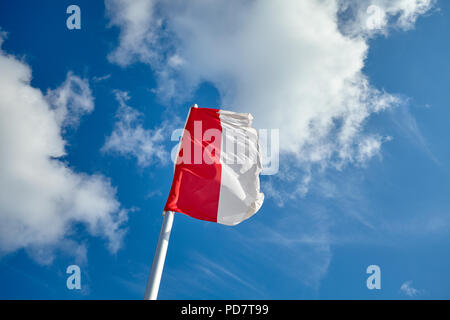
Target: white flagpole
(151,291)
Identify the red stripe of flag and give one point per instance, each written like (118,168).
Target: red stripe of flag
(196,185)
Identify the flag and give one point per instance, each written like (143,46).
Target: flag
(217,168)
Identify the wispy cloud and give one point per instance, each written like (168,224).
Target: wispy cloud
(130,138)
(208,275)
(405,121)
(71,100)
(220,272)
(407,289)
(101,78)
(294,242)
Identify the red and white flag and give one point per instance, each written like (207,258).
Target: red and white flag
(217,168)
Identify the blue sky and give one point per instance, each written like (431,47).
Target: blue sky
(375,197)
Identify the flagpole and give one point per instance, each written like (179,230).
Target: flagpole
(151,291)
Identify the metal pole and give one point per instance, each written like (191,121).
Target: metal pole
(151,291)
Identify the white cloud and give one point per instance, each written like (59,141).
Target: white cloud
(41,198)
(369,17)
(295,65)
(130,138)
(408,289)
(368,147)
(101,78)
(138,37)
(376,18)
(71,100)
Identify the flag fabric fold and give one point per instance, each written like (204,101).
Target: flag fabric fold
(216,176)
